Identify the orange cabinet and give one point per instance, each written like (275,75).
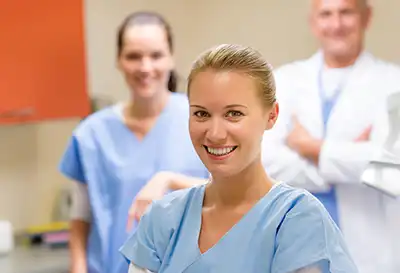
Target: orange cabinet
(42,61)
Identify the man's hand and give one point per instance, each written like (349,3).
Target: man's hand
(365,135)
(300,140)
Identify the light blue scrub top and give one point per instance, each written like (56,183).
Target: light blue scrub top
(104,154)
(287,230)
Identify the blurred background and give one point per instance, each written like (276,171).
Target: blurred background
(32,191)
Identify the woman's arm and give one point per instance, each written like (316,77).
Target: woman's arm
(156,188)
(79,231)
(178,181)
(79,227)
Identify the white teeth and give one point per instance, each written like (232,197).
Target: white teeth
(220,151)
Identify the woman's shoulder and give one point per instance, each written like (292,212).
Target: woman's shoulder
(306,231)
(98,120)
(180,101)
(173,204)
(157,226)
(179,96)
(166,214)
(287,202)
(295,198)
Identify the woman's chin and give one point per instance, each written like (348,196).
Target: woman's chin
(144,92)
(220,171)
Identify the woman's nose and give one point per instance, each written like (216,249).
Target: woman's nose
(216,132)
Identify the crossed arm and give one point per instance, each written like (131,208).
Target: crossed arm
(296,157)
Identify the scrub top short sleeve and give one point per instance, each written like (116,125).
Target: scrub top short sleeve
(310,240)
(71,165)
(141,249)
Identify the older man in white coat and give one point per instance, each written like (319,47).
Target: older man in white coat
(328,130)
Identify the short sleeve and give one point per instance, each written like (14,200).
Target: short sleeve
(309,239)
(71,163)
(140,249)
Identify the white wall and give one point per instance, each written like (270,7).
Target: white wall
(29,154)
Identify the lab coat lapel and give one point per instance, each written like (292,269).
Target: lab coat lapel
(307,105)
(351,111)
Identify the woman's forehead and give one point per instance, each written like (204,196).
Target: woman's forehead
(223,88)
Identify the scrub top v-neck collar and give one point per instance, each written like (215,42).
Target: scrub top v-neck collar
(156,126)
(190,237)
(153,146)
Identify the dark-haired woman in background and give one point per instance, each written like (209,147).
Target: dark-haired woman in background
(114,152)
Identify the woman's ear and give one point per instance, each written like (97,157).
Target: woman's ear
(272,116)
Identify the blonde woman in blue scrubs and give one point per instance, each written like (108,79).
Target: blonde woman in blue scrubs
(240,220)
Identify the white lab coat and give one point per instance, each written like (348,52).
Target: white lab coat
(363,212)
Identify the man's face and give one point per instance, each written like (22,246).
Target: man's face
(340,25)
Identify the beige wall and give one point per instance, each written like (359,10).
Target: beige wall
(29,154)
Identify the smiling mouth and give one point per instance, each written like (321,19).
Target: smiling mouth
(220,151)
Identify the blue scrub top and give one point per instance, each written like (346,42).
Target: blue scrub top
(104,154)
(287,230)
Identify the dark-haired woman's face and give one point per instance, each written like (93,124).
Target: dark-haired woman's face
(146,60)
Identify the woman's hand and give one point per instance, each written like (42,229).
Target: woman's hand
(155,189)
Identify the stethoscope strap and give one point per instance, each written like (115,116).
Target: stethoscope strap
(327,104)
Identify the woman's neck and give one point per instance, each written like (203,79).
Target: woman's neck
(147,108)
(249,186)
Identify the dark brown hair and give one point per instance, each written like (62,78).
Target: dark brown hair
(146,18)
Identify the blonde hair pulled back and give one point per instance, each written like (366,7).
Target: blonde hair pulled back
(241,59)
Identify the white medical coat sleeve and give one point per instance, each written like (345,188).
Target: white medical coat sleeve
(80,209)
(344,161)
(280,162)
(284,164)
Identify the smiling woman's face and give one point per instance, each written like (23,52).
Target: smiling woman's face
(146,60)
(227,121)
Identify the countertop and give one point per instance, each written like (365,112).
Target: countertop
(35,260)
